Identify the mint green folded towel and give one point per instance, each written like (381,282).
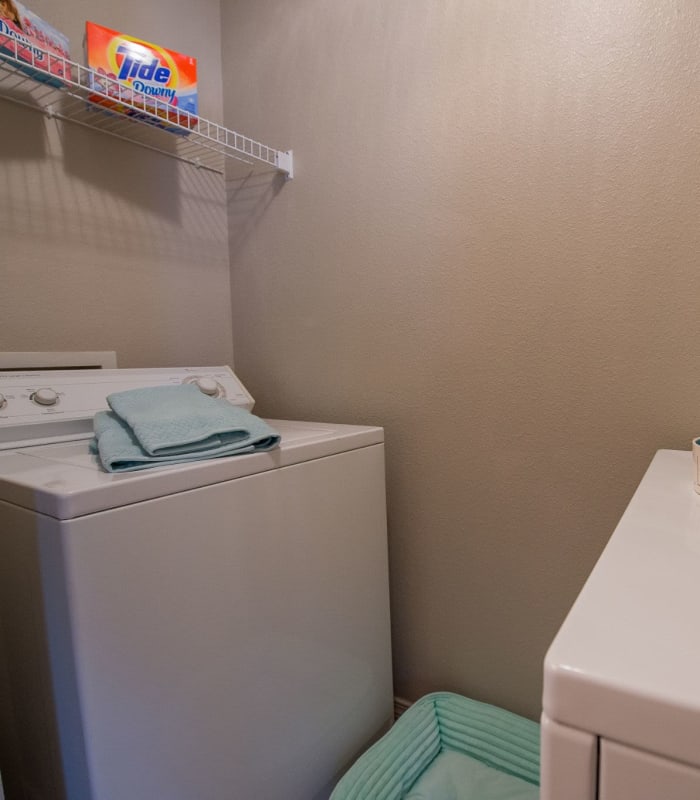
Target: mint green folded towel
(161,425)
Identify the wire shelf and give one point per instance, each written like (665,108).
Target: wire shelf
(39,79)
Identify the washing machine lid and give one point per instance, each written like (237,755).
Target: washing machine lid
(46,423)
(65,480)
(626,661)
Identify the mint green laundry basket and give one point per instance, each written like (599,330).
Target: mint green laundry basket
(448,747)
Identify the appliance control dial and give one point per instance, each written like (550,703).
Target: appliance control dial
(207,386)
(3,401)
(45,396)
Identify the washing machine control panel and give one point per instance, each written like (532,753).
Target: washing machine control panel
(37,407)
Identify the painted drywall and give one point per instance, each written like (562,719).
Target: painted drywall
(490,248)
(104,245)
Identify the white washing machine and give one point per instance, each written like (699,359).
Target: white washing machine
(622,678)
(217,630)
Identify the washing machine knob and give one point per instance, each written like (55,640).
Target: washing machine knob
(45,397)
(3,401)
(207,386)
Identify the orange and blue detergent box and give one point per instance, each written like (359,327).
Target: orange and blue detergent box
(30,42)
(144,77)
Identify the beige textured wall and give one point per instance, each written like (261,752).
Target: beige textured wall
(490,248)
(104,245)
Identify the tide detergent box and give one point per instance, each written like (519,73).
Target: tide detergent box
(30,42)
(144,77)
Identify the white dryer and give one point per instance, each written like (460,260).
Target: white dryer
(621,714)
(217,630)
